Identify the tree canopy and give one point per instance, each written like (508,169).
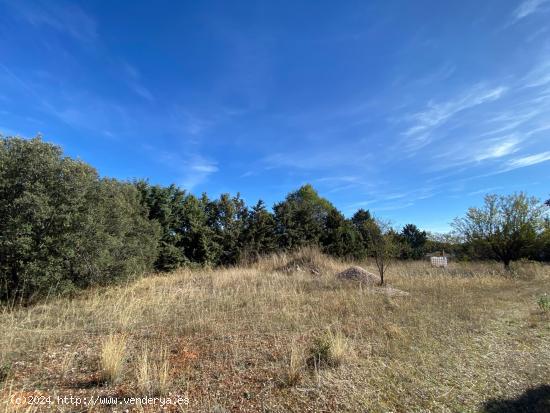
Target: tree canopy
(505,227)
(62,227)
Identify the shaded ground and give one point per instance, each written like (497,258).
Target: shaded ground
(536,400)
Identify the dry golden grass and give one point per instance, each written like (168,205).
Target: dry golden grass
(238,339)
(113,350)
(152,372)
(294,372)
(329,350)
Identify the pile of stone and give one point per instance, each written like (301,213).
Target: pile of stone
(356,273)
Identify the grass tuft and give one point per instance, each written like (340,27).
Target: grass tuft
(112,357)
(152,372)
(294,370)
(329,350)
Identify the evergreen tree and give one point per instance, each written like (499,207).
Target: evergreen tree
(364,222)
(301,218)
(165,206)
(340,237)
(226,217)
(414,241)
(197,236)
(258,237)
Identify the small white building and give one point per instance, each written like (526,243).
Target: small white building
(438,261)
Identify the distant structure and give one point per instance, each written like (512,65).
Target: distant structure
(438,258)
(438,261)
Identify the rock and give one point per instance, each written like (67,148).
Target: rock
(356,273)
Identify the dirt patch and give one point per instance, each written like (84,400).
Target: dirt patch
(390,291)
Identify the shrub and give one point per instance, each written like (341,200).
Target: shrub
(4,372)
(62,227)
(330,349)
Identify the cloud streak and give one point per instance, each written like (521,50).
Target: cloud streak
(498,148)
(435,115)
(65,18)
(528,160)
(196,170)
(527,8)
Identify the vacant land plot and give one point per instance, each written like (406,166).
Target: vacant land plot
(465,339)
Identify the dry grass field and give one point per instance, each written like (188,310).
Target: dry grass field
(274,337)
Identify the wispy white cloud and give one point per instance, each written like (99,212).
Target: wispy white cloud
(495,151)
(64,17)
(497,148)
(537,33)
(189,169)
(538,76)
(132,77)
(484,191)
(196,170)
(338,179)
(339,183)
(321,159)
(204,167)
(435,115)
(469,135)
(193,124)
(508,120)
(379,200)
(528,160)
(394,207)
(142,91)
(527,8)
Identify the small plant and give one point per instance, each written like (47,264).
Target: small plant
(152,372)
(67,363)
(293,373)
(331,349)
(544,303)
(4,372)
(112,357)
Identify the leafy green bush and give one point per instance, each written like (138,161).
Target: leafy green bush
(62,227)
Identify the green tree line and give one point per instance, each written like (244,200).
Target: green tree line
(63,227)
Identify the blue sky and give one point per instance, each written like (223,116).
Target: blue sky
(412,109)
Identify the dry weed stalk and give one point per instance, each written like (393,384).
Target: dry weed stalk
(112,357)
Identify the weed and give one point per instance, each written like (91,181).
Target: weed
(152,372)
(330,349)
(4,372)
(112,357)
(544,302)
